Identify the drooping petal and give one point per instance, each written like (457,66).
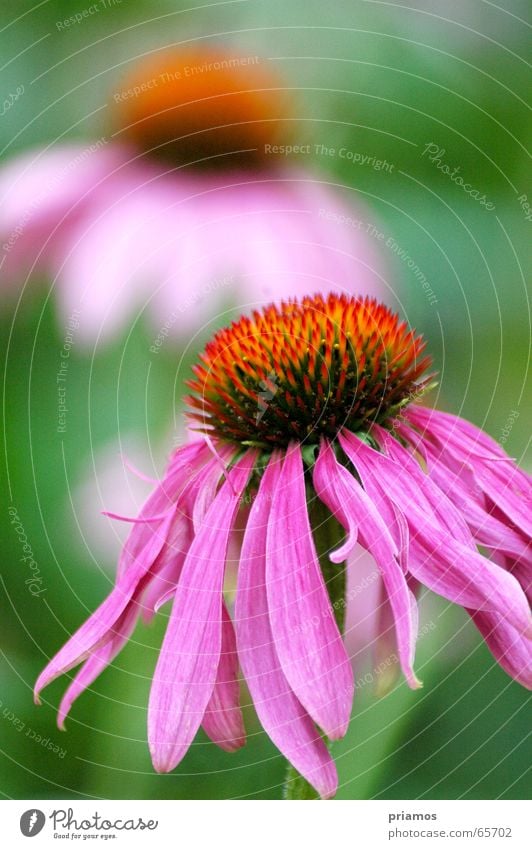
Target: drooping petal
(144,555)
(522,572)
(205,489)
(509,487)
(343,495)
(385,649)
(186,463)
(324,479)
(167,568)
(95,629)
(306,636)
(97,661)
(442,563)
(282,716)
(223,721)
(430,496)
(482,517)
(448,426)
(511,650)
(188,663)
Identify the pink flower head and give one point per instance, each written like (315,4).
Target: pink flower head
(310,417)
(185,208)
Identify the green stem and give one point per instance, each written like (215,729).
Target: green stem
(327,534)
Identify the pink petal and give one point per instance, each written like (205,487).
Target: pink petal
(186,463)
(42,194)
(283,717)
(486,527)
(188,663)
(167,568)
(307,640)
(205,489)
(510,649)
(339,490)
(95,629)
(445,565)
(430,496)
(136,567)
(97,661)
(522,572)
(223,721)
(36,181)
(498,476)
(448,426)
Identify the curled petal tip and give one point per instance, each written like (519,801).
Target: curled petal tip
(340,555)
(40,684)
(62,714)
(338,732)
(168,596)
(412,680)
(232,745)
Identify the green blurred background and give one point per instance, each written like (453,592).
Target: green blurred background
(381,78)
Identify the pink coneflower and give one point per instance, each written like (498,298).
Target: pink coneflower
(185,208)
(314,442)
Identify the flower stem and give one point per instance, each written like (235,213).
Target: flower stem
(327,534)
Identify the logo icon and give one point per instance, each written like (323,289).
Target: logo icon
(32,822)
(268,391)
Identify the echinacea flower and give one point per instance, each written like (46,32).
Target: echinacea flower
(314,441)
(185,208)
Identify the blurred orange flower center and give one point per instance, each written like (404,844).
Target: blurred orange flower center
(201,106)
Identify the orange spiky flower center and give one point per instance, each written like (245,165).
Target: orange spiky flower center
(202,105)
(305,369)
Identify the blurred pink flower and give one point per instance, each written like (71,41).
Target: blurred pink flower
(342,433)
(119,235)
(181,213)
